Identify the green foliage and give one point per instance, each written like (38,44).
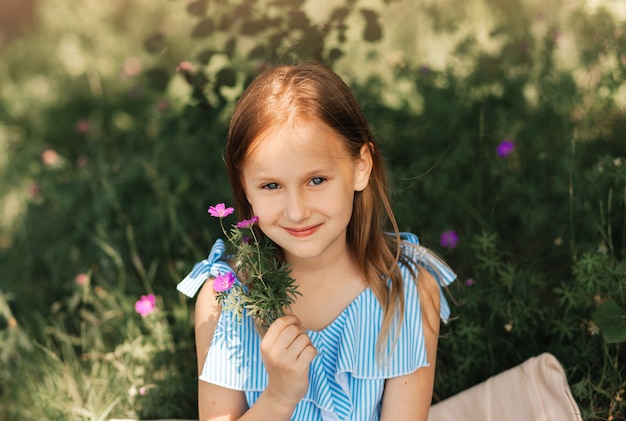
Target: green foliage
(267,289)
(612,321)
(110,156)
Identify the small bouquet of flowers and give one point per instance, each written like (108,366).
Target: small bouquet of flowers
(265,289)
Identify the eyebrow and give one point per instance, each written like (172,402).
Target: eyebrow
(317,171)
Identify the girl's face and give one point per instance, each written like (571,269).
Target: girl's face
(300,181)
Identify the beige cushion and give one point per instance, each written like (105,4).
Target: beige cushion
(535,390)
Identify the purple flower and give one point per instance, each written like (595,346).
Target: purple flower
(145,305)
(220,210)
(469,282)
(224,282)
(247,222)
(505,148)
(449,239)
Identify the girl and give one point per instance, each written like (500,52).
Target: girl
(360,342)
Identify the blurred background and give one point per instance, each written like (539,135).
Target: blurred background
(503,124)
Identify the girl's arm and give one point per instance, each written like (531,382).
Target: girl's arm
(286,351)
(409,397)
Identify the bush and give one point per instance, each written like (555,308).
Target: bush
(114,153)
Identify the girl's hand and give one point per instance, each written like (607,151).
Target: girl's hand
(287,352)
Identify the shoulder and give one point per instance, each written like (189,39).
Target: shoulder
(206,317)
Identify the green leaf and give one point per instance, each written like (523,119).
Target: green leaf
(373,31)
(197,8)
(158,78)
(155,43)
(203,29)
(335,54)
(340,14)
(204,56)
(298,20)
(312,44)
(254,27)
(258,52)
(611,319)
(226,77)
(229,47)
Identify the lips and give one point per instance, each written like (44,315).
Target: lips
(302,232)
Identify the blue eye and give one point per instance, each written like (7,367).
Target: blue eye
(270,186)
(316,181)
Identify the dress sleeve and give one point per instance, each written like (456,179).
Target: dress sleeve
(235,348)
(405,349)
(212,266)
(434,265)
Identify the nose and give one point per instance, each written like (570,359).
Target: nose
(296,208)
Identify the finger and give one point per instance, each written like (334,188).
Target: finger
(295,349)
(292,338)
(275,335)
(308,353)
(281,323)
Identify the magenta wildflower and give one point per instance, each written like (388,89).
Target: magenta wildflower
(145,305)
(469,282)
(449,239)
(220,210)
(505,148)
(247,222)
(224,282)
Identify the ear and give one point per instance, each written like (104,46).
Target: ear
(363,168)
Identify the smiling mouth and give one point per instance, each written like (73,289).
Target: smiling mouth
(302,232)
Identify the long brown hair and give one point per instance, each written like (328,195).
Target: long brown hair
(312,91)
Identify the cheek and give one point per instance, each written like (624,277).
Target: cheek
(261,206)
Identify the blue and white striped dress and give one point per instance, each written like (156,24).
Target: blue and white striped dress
(345,380)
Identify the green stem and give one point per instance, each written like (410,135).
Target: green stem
(258,253)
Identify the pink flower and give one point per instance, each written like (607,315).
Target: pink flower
(184,67)
(50,158)
(163,105)
(247,222)
(145,305)
(220,210)
(449,239)
(132,66)
(224,282)
(81,279)
(82,161)
(142,390)
(82,126)
(469,282)
(34,191)
(505,148)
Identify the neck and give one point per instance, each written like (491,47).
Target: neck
(327,288)
(314,272)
